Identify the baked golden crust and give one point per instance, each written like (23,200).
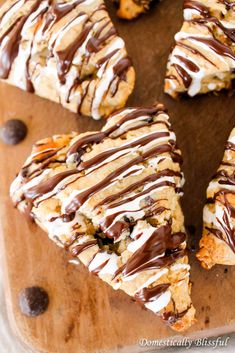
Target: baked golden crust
(65,51)
(203,58)
(217,245)
(130,9)
(112,198)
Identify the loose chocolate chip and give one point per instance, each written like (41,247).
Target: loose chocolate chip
(13,131)
(33,301)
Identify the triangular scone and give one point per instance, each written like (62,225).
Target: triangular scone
(217,245)
(66,51)
(113,199)
(203,58)
(130,9)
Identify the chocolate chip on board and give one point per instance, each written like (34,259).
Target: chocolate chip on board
(33,301)
(13,131)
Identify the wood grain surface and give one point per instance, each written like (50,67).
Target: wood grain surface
(84,314)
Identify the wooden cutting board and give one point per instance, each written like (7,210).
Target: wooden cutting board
(86,315)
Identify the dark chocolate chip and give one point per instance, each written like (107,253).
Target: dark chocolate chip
(207,320)
(13,131)
(33,301)
(126,219)
(225,270)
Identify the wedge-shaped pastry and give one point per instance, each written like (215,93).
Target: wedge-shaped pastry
(130,9)
(113,199)
(66,51)
(203,58)
(217,245)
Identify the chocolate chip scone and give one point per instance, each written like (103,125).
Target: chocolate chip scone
(217,245)
(66,51)
(203,58)
(112,198)
(130,9)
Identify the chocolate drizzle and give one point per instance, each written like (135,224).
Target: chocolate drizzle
(97,137)
(225,193)
(147,295)
(42,160)
(197,5)
(162,249)
(230,32)
(186,78)
(122,66)
(142,182)
(189,64)
(66,56)
(58,11)
(97,270)
(194,51)
(227,179)
(94,43)
(47,185)
(172,317)
(83,196)
(228,232)
(140,142)
(145,192)
(78,249)
(216,46)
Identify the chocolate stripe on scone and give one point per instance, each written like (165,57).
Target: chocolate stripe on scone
(217,245)
(203,58)
(68,52)
(112,198)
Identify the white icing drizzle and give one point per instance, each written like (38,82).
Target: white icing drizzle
(159,303)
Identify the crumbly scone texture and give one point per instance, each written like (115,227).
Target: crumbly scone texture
(112,198)
(217,245)
(130,9)
(65,51)
(203,58)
